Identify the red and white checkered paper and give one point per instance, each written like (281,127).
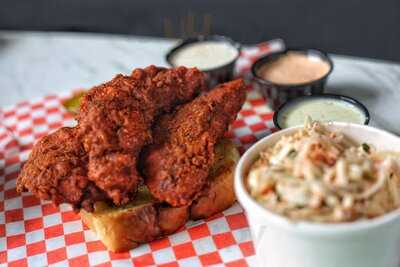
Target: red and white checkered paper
(36,233)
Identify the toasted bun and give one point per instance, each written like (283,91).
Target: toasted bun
(145,219)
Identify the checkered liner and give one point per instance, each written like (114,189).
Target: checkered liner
(36,233)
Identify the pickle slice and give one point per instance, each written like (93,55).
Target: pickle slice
(72,104)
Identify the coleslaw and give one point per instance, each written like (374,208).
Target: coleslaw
(322,176)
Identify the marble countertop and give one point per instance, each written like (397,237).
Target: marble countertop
(36,64)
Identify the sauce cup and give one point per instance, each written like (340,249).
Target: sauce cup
(214,75)
(277,94)
(351,103)
(280,242)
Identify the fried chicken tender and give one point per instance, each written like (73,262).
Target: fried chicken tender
(177,165)
(98,158)
(115,121)
(56,170)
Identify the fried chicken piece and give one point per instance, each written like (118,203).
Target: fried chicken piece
(97,159)
(56,170)
(115,121)
(176,166)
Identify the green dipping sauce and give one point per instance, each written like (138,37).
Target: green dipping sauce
(320,109)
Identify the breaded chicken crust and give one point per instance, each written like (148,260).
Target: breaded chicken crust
(56,170)
(176,166)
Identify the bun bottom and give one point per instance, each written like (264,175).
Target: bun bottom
(145,219)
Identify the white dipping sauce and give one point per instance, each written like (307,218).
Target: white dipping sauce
(204,55)
(320,109)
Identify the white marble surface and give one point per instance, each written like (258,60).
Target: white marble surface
(37,64)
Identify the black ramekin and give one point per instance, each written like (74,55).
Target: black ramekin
(215,75)
(278,94)
(347,99)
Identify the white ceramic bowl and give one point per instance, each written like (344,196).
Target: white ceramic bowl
(281,243)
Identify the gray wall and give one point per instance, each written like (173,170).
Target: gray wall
(353,27)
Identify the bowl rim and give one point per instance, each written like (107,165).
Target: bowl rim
(306,227)
(262,60)
(344,98)
(202,38)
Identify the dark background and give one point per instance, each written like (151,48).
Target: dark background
(352,27)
